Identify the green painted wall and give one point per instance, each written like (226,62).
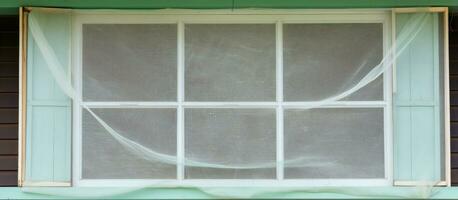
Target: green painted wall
(230,193)
(9,11)
(143,4)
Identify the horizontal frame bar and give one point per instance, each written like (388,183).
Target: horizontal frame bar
(229,18)
(416,10)
(290,105)
(243,11)
(45,184)
(231,182)
(419,183)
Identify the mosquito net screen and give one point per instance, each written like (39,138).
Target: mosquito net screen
(234,64)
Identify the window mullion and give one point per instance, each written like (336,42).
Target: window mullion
(279,97)
(180,99)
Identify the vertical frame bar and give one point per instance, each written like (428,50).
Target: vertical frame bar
(77,109)
(388,90)
(448,166)
(279,96)
(22,93)
(437,85)
(180,98)
(393,49)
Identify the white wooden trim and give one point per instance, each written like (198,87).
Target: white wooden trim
(447,140)
(46,184)
(419,183)
(393,51)
(279,97)
(420,9)
(237,104)
(232,182)
(243,11)
(22,94)
(225,16)
(49,10)
(388,80)
(76,109)
(180,97)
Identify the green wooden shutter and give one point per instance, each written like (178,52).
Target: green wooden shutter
(48,132)
(417,103)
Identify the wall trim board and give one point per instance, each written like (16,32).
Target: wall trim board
(230,192)
(219,4)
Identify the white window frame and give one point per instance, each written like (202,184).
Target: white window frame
(277,17)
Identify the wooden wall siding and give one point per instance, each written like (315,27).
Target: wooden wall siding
(453,38)
(9,44)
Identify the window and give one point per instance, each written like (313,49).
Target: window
(221,99)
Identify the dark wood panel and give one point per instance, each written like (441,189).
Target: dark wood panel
(453,70)
(454,129)
(8,116)
(8,147)
(9,54)
(9,23)
(9,84)
(453,37)
(9,39)
(454,98)
(453,67)
(453,52)
(8,178)
(8,162)
(454,176)
(454,114)
(8,69)
(454,117)
(454,145)
(454,83)
(454,162)
(9,100)
(8,131)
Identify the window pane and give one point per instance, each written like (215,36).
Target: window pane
(230,137)
(334,143)
(230,62)
(129,62)
(106,158)
(323,60)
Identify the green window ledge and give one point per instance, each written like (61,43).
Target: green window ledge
(207,193)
